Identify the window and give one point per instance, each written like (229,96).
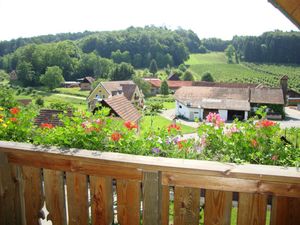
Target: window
(180,107)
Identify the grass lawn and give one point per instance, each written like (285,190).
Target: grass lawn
(160,122)
(73,91)
(169,105)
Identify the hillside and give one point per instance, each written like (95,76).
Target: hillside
(268,74)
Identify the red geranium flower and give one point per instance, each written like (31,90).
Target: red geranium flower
(14,110)
(116,136)
(173,126)
(265,123)
(13,119)
(130,125)
(47,125)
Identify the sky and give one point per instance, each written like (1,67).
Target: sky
(209,18)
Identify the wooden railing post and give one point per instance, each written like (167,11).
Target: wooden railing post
(11,210)
(152,193)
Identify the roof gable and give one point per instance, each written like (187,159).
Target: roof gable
(122,107)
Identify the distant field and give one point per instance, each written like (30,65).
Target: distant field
(267,74)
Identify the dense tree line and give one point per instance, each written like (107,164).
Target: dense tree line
(32,61)
(97,54)
(215,44)
(7,47)
(139,46)
(270,47)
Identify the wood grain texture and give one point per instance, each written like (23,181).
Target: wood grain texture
(152,198)
(11,211)
(129,202)
(252,209)
(285,211)
(33,196)
(218,205)
(165,205)
(186,206)
(91,162)
(101,200)
(231,184)
(55,196)
(77,195)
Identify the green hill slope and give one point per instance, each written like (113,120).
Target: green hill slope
(268,74)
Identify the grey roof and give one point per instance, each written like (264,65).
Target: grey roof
(227,98)
(267,96)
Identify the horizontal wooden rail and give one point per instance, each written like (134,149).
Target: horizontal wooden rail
(43,172)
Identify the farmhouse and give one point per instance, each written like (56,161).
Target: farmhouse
(86,83)
(230,103)
(105,90)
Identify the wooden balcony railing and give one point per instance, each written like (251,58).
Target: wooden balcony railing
(87,187)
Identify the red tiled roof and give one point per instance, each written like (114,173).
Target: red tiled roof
(171,83)
(49,116)
(122,107)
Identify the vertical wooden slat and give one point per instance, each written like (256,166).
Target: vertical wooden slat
(55,196)
(186,206)
(128,197)
(218,206)
(152,198)
(33,195)
(77,196)
(285,211)
(252,209)
(165,205)
(10,201)
(101,200)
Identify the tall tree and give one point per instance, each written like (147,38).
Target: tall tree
(153,67)
(123,71)
(26,74)
(53,77)
(230,51)
(164,88)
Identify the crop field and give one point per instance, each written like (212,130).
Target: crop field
(267,74)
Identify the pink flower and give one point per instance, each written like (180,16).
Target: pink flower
(215,119)
(274,157)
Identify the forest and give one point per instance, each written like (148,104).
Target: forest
(104,54)
(99,54)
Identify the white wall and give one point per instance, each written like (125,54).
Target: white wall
(187,112)
(224,114)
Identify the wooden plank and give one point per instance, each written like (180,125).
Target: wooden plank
(152,198)
(85,161)
(33,196)
(186,206)
(11,211)
(165,205)
(101,200)
(285,211)
(252,209)
(218,206)
(77,196)
(231,184)
(129,201)
(55,196)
